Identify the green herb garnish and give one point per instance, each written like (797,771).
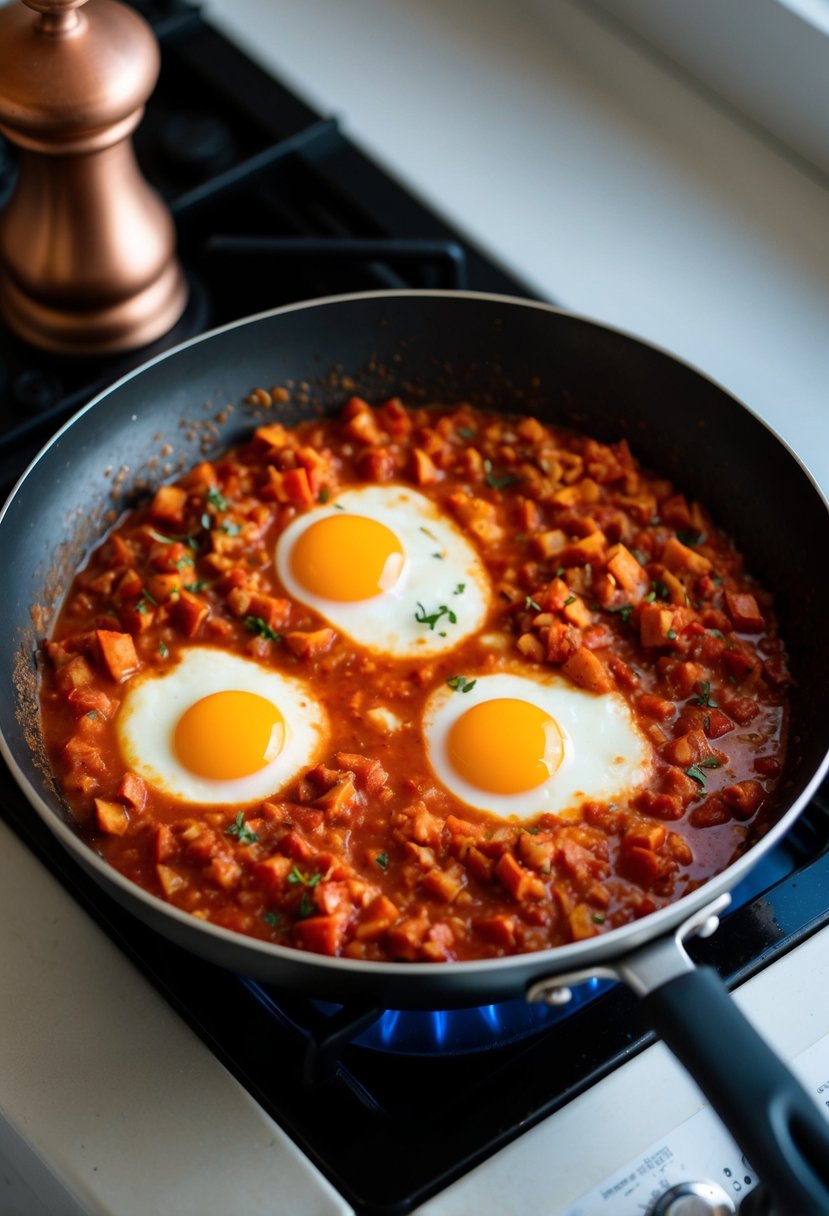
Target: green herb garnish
(296,877)
(241,831)
(144,602)
(704,697)
(500,483)
(216,499)
(689,536)
(695,771)
(571,599)
(461,684)
(431,619)
(382,860)
(257,625)
(531,605)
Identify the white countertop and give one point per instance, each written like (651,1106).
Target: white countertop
(608,185)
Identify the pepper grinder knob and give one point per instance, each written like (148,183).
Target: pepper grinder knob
(87,249)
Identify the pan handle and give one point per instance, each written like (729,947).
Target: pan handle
(768,1112)
(772,1118)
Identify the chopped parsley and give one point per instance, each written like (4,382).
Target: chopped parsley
(598,918)
(297,878)
(461,684)
(459,590)
(571,599)
(324,494)
(466,432)
(624,612)
(500,483)
(231,528)
(274,919)
(216,499)
(145,601)
(382,860)
(671,635)
(257,625)
(241,831)
(195,588)
(530,604)
(163,649)
(695,771)
(704,697)
(431,619)
(426,532)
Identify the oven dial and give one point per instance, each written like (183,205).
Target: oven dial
(693,1199)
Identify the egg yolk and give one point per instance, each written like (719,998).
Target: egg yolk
(229,734)
(347,558)
(505,746)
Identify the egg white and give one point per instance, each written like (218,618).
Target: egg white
(440,569)
(605,756)
(153,705)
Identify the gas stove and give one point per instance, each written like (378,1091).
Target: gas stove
(397,1110)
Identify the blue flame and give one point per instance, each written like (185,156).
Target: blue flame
(458,1031)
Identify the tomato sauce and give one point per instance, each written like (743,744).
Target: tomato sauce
(599,571)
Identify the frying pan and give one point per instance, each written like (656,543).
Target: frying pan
(495,352)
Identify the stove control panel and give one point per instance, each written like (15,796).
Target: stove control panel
(693,1199)
(696,1169)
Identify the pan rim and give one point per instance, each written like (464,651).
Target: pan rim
(416,293)
(556,959)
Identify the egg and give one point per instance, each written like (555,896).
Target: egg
(386,568)
(518,745)
(217,728)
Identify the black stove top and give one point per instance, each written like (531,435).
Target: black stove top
(274,204)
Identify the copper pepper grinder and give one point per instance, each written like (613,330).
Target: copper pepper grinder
(87,249)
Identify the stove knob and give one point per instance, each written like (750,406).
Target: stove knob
(693,1199)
